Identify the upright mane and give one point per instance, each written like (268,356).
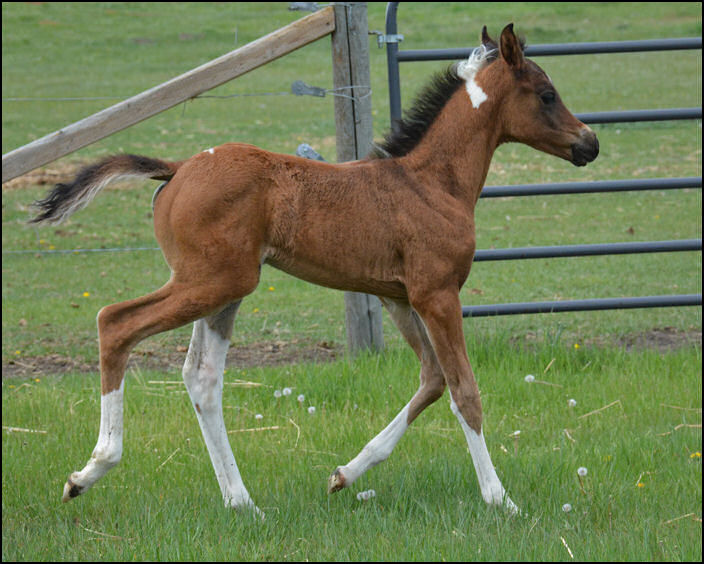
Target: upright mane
(429,103)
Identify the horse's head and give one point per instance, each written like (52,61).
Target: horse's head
(531,110)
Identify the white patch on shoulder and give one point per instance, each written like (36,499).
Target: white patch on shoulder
(468,70)
(211,150)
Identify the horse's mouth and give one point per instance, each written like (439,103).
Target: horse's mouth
(585,151)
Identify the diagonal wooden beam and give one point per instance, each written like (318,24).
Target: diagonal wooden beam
(164,96)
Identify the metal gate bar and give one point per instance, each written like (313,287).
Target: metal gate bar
(591,187)
(597,304)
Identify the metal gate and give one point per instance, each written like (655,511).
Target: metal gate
(395,56)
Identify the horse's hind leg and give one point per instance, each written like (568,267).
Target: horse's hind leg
(120,327)
(203,376)
(432,386)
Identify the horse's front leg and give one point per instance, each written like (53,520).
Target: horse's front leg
(431,388)
(203,376)
(442,315)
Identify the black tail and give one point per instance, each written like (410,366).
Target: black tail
(65,199)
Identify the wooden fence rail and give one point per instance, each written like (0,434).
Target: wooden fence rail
(169,94)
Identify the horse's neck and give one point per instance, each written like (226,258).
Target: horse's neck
(457,149)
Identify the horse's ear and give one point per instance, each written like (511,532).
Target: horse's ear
(511,48)
(488,42)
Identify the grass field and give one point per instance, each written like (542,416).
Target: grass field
(635,375)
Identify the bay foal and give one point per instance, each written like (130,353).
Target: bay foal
(399,224)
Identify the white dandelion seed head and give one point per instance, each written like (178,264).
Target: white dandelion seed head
(581,471)
(529,378)
(259,416)
(567,508)
(365,495)
(311,409)
(277,393)
(572,402)
(301,398)
(286,391)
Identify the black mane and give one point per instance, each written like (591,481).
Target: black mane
(423,112)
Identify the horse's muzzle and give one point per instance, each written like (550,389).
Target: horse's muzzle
(586,149)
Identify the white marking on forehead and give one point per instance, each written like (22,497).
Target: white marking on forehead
(468,70)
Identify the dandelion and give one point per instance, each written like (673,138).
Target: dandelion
(277,393)
(576,346)
(581,473)
(566,508)
(259,417)
(531,379)
(255,310)
(640,485)
(571,402)
(695,455)
(271,288)
(301,398)
(286,391)
(311,409)
(86,294)
(364,496)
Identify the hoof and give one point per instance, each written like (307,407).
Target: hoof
(245,506)
(71,490)
(336,482)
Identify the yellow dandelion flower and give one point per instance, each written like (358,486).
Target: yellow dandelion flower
(695,455)
(576,346)
(271,288)
(86,294)
(640,485)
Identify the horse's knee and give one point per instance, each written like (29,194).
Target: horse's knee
(431,390)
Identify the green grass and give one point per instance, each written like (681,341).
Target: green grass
(163,503)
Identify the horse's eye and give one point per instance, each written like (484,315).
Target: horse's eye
(547,97)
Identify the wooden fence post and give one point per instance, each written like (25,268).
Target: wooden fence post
(354,137)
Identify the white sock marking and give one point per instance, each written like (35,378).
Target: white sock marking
(378,449)
(108,450)
(492,490)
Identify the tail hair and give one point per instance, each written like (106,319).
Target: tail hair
(66,199)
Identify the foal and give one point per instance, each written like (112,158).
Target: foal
(399,224)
